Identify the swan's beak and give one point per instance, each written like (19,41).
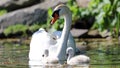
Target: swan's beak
(56,16)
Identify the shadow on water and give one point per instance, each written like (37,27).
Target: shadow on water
(103,54)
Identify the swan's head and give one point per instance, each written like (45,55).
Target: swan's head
(60,10)
(70,52)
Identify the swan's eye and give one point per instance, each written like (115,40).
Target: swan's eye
(56,12)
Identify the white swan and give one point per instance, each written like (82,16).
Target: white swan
(76,60)
(57,42)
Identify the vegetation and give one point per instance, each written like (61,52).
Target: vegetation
(106,13)
(15,28)
(2,12)
(20,28)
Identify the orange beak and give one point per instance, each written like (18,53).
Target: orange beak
(56,16)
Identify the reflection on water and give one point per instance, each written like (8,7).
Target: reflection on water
(58,66)
(103,54)
(38,64)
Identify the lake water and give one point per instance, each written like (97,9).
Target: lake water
(103,54)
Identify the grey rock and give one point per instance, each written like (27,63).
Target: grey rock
(82,3)
(78,32)
(11,5)
(29,15)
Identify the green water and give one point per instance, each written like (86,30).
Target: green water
(13,55)
(103,54)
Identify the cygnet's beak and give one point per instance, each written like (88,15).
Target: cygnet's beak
(54,19)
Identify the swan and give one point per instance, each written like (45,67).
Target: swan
(76,60)
(57,42)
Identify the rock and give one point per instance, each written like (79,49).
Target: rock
(78,32)
(85,33)
(11,5)
(29,15)
(24,16)
(93,32)
(83,3)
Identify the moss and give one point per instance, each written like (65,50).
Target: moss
(34,27)
(2,12)
(15,28)
(23,29)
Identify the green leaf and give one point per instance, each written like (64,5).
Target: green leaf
(106,1)
(114,21)
(106,7)
(118,9)
(99,17)
(50,11)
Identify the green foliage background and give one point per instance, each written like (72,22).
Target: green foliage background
(106,13)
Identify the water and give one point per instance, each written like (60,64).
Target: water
(103,54)
(14,56)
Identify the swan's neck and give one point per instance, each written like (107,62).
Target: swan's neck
(64,37)
(66,30)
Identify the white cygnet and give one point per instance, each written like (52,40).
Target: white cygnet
(49,60)
(76,60)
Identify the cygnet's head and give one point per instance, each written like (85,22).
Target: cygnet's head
(60,10)
(70,52)
(45,53)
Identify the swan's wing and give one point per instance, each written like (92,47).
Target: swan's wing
(57,34)
(42,38)
(41,29)
(71,42)
(53,50)
(37,44)
(40,41)
(39,38)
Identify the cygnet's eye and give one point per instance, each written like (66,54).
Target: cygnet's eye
(54,38)
(67,54)
(43,55)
